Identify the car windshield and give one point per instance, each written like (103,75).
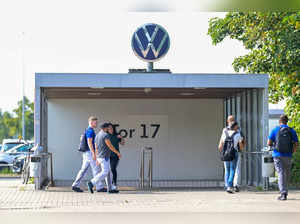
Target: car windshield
(9,146)
(20,148)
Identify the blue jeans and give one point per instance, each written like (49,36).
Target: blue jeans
(230,167)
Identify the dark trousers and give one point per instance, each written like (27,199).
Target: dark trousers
(283,167)
(113,166)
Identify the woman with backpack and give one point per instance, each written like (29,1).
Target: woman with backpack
(230,143)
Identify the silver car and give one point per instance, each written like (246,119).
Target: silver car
(7,158)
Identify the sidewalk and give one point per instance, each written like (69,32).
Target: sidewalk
(64,200)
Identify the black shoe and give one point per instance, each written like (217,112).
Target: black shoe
(236,189)
(102,190)
(90,187)
(77,189)
(282,197)
(113,192)
(229,190)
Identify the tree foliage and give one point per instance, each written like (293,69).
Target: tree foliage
(11,123)
(273,41)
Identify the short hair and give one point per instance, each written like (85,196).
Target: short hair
(283,119)
(230,118)
(93,118)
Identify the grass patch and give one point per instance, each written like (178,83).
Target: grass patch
(259,188)
(6,171)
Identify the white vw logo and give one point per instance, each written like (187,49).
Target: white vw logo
(150,42)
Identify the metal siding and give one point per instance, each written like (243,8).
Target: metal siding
(244,128)
(255,157)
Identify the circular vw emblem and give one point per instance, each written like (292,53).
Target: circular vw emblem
(150,42)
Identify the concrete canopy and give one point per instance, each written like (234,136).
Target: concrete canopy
(245,96)
(93,85)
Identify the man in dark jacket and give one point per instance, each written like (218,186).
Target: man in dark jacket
(116,140)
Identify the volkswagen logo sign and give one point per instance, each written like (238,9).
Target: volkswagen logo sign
(150,42)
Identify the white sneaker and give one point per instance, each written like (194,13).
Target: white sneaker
(114,187)
(229,190)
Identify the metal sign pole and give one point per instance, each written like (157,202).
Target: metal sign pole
(150,67)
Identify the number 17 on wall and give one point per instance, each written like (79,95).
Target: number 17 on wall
(154,127)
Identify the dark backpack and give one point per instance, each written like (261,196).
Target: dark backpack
(284,140)
(83,145)
(228,151)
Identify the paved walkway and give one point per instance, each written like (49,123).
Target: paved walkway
(63,200)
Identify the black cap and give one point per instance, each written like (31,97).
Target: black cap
(233,125)
(104,125)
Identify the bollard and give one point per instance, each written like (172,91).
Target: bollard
(147,151)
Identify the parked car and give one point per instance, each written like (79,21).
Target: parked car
(18,163)
(7,144)
(15,152)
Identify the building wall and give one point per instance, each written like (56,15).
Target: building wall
(273,122)
(184,148)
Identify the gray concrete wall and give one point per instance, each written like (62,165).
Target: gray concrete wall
(185,147)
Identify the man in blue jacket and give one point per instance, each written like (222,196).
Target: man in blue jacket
(285,142)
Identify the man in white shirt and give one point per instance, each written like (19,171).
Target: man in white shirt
(230,166)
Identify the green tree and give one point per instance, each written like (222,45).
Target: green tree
(29,118)
(273,42)
(7,125)
(11,123)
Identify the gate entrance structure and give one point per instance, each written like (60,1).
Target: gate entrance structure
(179,116)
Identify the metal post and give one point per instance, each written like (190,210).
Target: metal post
(150,67)
(150,168)
(51,170)
(266,183)
(142,171)
(147,151)
(23,114)
(23,85)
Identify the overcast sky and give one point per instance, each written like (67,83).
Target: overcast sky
(65,36)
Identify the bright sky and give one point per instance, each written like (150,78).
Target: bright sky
(89,37)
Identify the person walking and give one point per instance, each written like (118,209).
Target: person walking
(88,153)
(231,140)
(237,176)
(103,151)
(116,140)
(285,142)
